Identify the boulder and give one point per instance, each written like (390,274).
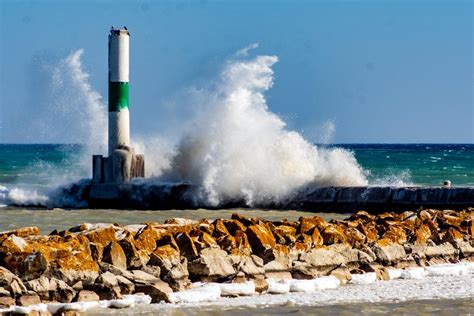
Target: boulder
(40,286)
(158,291)
(333,234)
(126,286)
(234,225)
(6,301)
(464,247)
(342,274)
(421,235)
(114,254)
(381,272)
(106,287)
(33,266)
(21,232)
(389,253)
(212,263)
(250,266)
(186,246)
(260,238)
(102,235)
(308,223)
(172,266)
(11,282)
(86,296)
(136,257)
(141,277)
(452,235)
(261,285)
(28,299)
(444,250)
(62,292)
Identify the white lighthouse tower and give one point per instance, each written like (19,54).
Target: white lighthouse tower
(122,164)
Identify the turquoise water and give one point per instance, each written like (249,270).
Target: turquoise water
(397,164)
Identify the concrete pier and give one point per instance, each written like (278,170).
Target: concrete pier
(328,199)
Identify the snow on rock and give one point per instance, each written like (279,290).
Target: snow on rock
(413,273)
(278,287)
(447,269)
(327,282)
(237,289)
(366,278)
(394,273)
(302,286)
(200,293)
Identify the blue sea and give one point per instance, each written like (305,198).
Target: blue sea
(396,164)
(33,170)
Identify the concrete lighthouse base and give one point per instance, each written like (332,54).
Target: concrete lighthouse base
(122,166)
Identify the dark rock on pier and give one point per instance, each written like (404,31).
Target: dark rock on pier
(181,196)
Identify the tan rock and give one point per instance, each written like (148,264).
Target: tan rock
(316,237)
(186,246)
(158,291)
(242,245)
(62,292)
(28,299)
(380,271)
(21,232)
(40,286)
(333,234)
(213,263)
(354,237)
(6,301)
(369,230)
(33,266)
(342,274)
(260,238)
(234,225)
(172,266)
(388,252)
(86,296)
(146,238)
(452,235)
(114,254)
(101,235)
(422,234)
(308,223)
(11,282)
(126,286)
(261,285)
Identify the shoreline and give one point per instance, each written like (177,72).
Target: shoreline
(183,260)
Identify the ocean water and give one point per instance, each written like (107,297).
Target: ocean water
(387,164)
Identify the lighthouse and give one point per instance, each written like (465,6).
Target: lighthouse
(119,115)
(122,164)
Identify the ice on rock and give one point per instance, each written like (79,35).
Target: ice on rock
(327,282)
(200,293)
(278,287)
(366,278)
(237,289)
(394,273)
(413,273)
(448,269)
(302,286)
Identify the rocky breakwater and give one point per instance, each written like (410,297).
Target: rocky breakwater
(239,256)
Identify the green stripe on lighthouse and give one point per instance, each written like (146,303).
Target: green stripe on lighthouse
(118,96)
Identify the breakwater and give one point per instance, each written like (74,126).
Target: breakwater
(178,196)
(183,260)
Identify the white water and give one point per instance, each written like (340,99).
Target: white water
(234,148)
(237,148)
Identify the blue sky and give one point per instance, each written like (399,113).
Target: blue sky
(382,71)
